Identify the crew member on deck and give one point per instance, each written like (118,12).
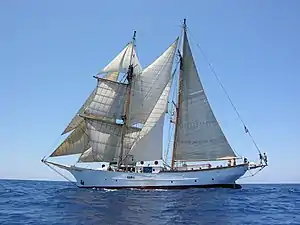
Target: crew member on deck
(260,158)
(265,158)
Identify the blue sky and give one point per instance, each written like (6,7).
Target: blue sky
(49,51)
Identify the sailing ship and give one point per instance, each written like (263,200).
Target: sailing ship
(120,127)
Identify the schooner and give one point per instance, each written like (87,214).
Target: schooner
(121,123)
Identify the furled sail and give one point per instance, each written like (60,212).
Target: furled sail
(199,136)
(75,143)
(149,85)
(122,61)
(108,100)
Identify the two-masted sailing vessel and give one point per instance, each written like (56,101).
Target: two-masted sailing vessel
(121,127)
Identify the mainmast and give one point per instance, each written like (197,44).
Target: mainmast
(127,103)
(177,122)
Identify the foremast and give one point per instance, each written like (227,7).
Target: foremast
(127,103)
(179,97)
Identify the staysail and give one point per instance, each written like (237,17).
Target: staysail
(149,145)
(149,85)
(199,136)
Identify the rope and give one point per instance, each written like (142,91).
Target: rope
(55,170)
(252,174)
(226,93)
(171,116)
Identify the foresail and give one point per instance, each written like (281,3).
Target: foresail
(122,61)
(149,85)
(108,100)
(105,141)
(76,120)
(75,143)
(149,145)
(199,136)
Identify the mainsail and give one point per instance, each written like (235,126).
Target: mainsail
(199,136)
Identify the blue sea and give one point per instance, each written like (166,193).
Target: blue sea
(45,202)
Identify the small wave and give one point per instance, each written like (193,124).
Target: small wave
(109,189)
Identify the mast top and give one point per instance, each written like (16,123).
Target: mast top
(184,24)
(134,34)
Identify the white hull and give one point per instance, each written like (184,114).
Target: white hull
(225,176)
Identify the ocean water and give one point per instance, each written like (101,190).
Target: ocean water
(43,202)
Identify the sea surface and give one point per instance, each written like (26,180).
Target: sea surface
(45,202)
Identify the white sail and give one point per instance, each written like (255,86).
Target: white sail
(149,145)
(75,143)
(149,85)
(122,61)
(199,136)
(76,120)
(108,100)
(105,140)
(87,156)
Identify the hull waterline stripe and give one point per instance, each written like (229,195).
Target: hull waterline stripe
(234,186)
